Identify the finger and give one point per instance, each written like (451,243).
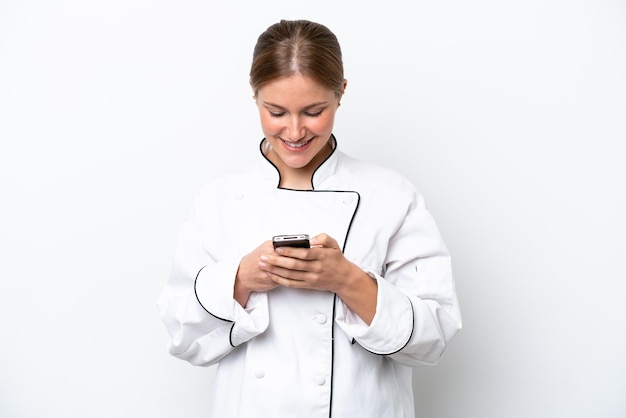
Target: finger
(324,240)
(295,253)
(267,265)
(287,282)
(285,266)
(294,284)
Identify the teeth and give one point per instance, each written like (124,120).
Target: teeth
(296,144)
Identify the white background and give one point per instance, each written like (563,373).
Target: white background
(509,117)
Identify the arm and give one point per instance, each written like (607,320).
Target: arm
(417,311)
(197,306)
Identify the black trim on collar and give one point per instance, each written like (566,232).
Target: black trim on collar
(332,138)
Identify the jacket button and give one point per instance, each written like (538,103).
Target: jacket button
(347,199)
(320,319)
(320,380)
(259,374)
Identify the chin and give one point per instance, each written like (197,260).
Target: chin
(296,164)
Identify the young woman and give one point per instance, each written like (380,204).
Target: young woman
(327,331)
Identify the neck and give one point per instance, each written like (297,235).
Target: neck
(299,178)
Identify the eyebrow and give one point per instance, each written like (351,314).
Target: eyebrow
(304,108)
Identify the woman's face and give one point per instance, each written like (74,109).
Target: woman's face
(297,117)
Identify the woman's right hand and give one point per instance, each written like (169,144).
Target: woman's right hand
(250,278)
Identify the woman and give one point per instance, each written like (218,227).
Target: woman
(330,330)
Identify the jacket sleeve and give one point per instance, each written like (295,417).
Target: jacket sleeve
(417,310)
(197,306)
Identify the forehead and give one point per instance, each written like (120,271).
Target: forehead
(294,90)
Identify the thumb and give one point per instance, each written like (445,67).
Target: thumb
(323,240)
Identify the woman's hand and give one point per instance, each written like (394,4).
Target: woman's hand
(322,267)
(250,278)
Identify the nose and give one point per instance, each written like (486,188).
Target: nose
(295,129)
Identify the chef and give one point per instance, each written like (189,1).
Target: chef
(333,329)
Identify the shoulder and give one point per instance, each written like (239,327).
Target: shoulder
(230,180)
(378,179)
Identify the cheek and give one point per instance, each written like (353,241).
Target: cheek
(324,123)
(269,124)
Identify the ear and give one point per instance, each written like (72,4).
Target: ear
(343,90)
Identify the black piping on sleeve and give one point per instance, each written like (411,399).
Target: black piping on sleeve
(198,299)
(407,341)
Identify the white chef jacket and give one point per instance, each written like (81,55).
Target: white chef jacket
(304,353)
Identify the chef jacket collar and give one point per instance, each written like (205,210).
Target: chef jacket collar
(328,167)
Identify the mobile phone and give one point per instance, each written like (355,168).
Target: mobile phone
(298,241)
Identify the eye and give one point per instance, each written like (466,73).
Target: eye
(276,114)
(313,114)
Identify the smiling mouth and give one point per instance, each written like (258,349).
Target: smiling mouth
(297,144)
